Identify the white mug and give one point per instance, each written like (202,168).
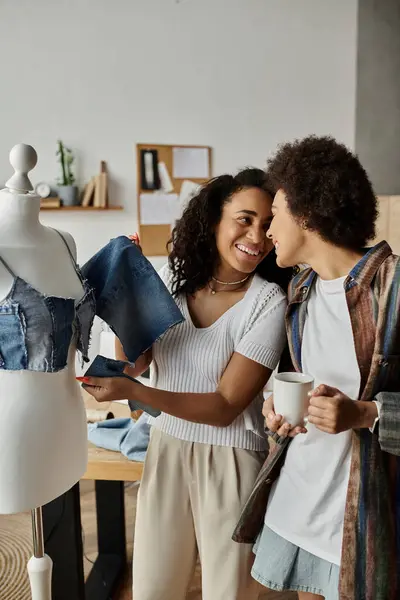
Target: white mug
(291,396)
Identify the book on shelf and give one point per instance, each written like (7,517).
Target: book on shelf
(96,191)
(100,192)
(87,199)
(50,202)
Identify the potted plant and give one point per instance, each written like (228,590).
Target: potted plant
(67,191)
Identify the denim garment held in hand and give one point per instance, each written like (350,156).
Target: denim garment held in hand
(36,330)
(130,296)
(109,367)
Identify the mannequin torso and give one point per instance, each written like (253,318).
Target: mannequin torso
(43,436)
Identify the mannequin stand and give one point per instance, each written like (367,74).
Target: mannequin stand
(43,263)
(40,565)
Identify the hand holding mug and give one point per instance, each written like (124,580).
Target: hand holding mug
(286,412)
(333,412)
(276,423)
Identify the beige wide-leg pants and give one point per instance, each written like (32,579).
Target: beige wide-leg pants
(189,501)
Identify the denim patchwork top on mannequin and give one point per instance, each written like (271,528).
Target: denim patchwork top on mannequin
(36,330)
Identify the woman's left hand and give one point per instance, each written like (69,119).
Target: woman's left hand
(135,240)
(106,389)
(333,412)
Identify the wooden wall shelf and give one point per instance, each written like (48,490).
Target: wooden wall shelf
(78,208)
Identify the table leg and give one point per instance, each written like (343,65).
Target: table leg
(63,543)
(109,566)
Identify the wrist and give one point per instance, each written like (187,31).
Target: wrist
(368,412)
(129,388)
(135,390)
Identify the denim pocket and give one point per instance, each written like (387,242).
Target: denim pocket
(13,354)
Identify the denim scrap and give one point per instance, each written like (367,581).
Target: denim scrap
(109,367)
(62,314)
(85,312)
(130,296)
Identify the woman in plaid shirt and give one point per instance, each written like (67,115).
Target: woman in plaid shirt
(332,523)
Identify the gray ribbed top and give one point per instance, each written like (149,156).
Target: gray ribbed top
(188,359)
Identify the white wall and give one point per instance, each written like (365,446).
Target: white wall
(238,75)
(378,93)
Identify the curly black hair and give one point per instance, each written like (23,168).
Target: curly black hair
(327,189)
(194,253)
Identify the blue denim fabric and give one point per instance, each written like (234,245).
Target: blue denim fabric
(124,435)
(108,367)
(12,338)
(85,311)
(280,565)
(130,296)
(62,315)
(36,330)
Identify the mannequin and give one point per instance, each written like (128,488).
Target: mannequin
(43,435)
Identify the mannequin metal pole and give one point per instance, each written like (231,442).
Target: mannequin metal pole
(37,532)
(40,565)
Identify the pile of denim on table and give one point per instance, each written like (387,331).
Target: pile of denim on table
(124,435)
(133,300)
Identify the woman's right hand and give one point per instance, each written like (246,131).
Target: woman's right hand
(276,423)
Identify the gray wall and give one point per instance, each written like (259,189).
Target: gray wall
(378,93)
(238,75)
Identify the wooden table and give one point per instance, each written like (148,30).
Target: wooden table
(63,530)
(105,465)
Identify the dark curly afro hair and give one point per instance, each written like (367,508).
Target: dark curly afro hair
(327,189)
(194,255)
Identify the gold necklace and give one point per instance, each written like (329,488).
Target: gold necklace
(226,283)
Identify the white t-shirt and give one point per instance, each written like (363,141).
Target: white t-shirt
(306,505)
(189,359)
